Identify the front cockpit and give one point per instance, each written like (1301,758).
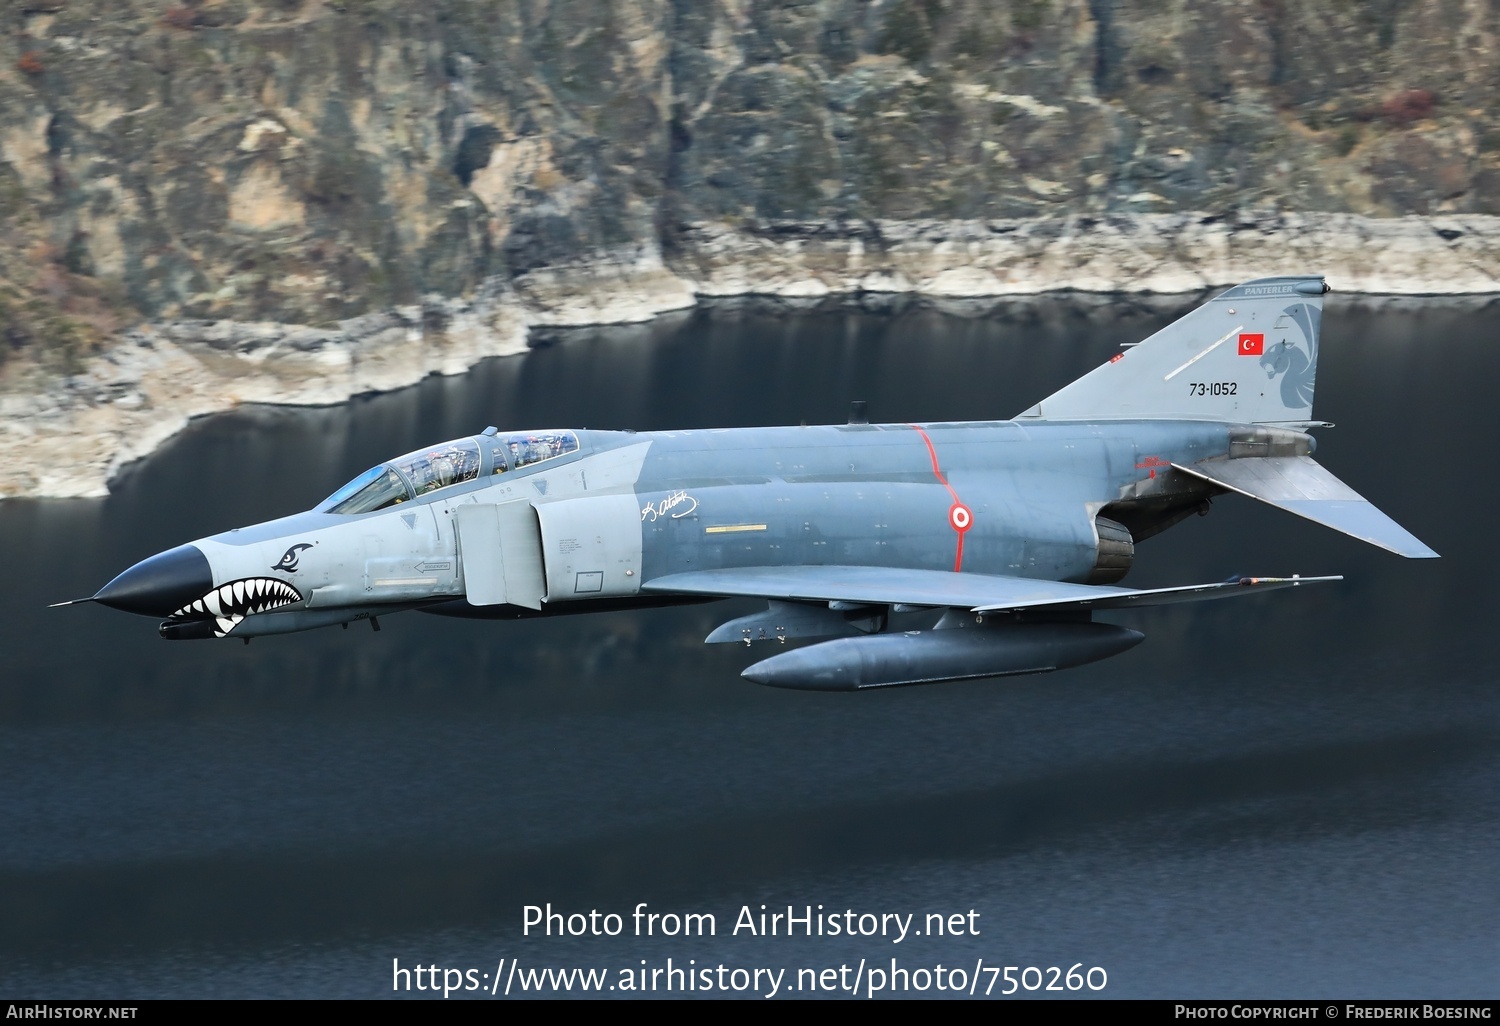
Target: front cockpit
(463,460)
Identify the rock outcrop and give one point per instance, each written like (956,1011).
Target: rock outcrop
(351,193)
(1168,253)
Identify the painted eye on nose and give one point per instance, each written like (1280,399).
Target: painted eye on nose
(290,558)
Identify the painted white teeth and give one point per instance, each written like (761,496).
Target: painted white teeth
(230,603)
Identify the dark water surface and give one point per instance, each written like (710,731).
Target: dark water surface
(1294,795)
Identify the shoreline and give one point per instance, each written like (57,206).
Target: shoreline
(146,387)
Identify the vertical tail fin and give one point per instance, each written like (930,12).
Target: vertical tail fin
(1248,356)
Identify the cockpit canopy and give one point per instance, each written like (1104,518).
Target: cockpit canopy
(427,470)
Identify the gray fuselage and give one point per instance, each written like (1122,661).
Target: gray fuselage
(1006,498)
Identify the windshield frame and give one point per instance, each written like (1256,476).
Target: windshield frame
(357,485)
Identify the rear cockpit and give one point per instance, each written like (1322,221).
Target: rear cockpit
(527,447)
(461,461)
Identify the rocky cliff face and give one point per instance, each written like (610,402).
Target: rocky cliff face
(308,162)
(969,108)
(312,161)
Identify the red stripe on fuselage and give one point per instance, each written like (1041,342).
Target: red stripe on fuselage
(937,472)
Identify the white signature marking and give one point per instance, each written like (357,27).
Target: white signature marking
(656,510)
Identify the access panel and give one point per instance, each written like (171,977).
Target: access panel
(500,547)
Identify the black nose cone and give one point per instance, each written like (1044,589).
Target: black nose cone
(161,585)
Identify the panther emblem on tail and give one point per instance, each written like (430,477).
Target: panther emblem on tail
(1297,369)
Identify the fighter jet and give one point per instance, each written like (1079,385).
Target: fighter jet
(1010,534)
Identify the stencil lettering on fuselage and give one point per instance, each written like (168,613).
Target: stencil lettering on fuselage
(591,545)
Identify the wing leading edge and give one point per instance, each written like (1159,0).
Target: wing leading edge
(980,593)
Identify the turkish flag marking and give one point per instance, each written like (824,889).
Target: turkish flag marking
(1252,345)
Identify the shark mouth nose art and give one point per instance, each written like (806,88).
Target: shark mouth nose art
(230,603)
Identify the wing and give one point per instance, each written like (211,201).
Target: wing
(980,593)
(819,601)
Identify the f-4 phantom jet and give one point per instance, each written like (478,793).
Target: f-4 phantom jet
(1011,533)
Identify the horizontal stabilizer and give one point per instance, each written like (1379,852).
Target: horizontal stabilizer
(983,593)
(1300,485)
